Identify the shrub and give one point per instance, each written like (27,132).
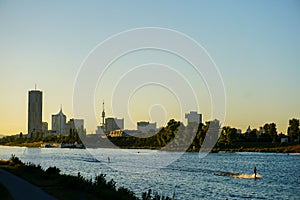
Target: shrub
(14,160)
(111,185)
(53,171)
(100,180)
(126,192)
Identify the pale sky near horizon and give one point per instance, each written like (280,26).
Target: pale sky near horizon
(255,44)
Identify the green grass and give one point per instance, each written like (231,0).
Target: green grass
(5,194)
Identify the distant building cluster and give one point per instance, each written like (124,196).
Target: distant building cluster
(114,127)
(109,126)
(60,126)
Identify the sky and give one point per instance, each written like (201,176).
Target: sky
(254,44)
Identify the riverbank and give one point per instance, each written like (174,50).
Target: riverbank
(279,149)
(45,145)
(24,144)
(244,147)
(270,148)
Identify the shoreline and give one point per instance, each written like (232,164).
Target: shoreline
(294,148)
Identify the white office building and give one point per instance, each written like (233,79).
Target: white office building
(193,117)
(112,124)
(59,123)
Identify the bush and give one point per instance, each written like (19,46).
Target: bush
(148,196)
(100,180)
(126,192)
(111,185)
(53,171)
(14,160)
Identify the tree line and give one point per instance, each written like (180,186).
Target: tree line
(175,136)
(72,138)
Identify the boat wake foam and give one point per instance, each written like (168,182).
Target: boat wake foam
(236,175)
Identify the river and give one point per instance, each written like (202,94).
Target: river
(185,176)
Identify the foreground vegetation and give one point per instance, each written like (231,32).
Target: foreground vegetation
(68,187)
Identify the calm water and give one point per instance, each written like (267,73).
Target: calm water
(188,177)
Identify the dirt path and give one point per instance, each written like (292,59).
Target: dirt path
(21,189)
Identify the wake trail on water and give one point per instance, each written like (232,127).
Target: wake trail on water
(218,173)
(236,175)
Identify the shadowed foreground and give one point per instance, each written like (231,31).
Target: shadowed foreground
(21,189)
(5,194)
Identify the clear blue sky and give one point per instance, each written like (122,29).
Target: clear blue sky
(255,44)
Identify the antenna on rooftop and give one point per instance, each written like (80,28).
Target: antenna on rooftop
(35,86)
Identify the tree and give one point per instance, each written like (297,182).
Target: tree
(293,129)
(270,132)
(212,134)
(273,131)
(252,136)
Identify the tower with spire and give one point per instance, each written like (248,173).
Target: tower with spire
(103,115)
(101,129)
(59,122)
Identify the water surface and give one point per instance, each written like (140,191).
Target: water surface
(189,177)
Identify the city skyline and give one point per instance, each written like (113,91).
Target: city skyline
(59,120)
(254,44)
(35,99)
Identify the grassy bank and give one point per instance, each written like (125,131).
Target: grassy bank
(235,147)
(24,144)
(67,187)
(279,149)
(263,147)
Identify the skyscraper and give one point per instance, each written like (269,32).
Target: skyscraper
(35,103)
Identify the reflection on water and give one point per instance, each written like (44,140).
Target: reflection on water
(217,176)
(32,151)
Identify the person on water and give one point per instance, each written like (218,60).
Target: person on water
(254,172)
